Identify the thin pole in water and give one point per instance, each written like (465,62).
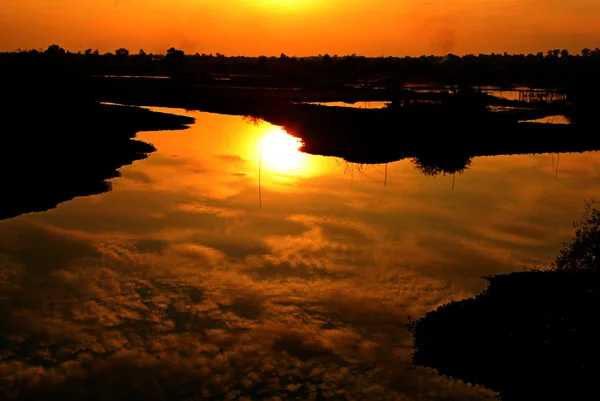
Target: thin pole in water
(557,162)
(385,178)
(453,180)
(259,183)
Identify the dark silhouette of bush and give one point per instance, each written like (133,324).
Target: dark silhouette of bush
(55,50)
(175,54)
(530,335)
(122,52)
(583,251)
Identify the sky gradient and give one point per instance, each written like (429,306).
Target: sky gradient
(303,27)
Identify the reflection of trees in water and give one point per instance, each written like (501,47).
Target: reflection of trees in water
(364,169)
(427,165)
(434,164)
(256,121)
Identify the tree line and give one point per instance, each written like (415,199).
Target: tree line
(550,68)
(173,52)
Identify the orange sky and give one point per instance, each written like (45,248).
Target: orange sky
(303,27)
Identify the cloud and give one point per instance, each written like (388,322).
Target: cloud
(150,245)
(42,249)
(181,325)
(136,176)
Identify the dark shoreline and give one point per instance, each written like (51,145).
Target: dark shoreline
(530,335)
(43,171)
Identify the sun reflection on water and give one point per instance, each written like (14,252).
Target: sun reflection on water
(281,152)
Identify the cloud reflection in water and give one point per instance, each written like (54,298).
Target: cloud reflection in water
(176,285)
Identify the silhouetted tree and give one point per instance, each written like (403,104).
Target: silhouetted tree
(122,52)
(586,52)
(175,54)
(283,59)
(554,53)
(350,60)
(88,52)
(564,53)
(55,49)
(142,53)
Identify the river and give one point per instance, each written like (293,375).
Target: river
(231,264)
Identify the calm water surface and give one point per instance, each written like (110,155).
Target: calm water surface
(187,281)
(369,104)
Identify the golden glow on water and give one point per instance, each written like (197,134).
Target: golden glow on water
(179,269)
(280,151)
(223,154)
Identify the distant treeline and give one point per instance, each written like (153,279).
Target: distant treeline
(553,68)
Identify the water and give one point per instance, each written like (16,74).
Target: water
(516,94)
(132,76)
(186,281)
(520,93)
(369,104)
(557,119)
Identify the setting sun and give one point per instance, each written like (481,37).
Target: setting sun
(284,4)
(280,150)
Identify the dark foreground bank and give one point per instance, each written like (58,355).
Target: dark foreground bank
(57,143)
(530,335)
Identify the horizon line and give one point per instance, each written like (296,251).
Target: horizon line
(320,55)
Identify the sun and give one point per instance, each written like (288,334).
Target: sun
(284,5)
(281,3)
(281,151)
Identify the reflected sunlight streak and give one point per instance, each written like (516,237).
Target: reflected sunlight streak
(280,151)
